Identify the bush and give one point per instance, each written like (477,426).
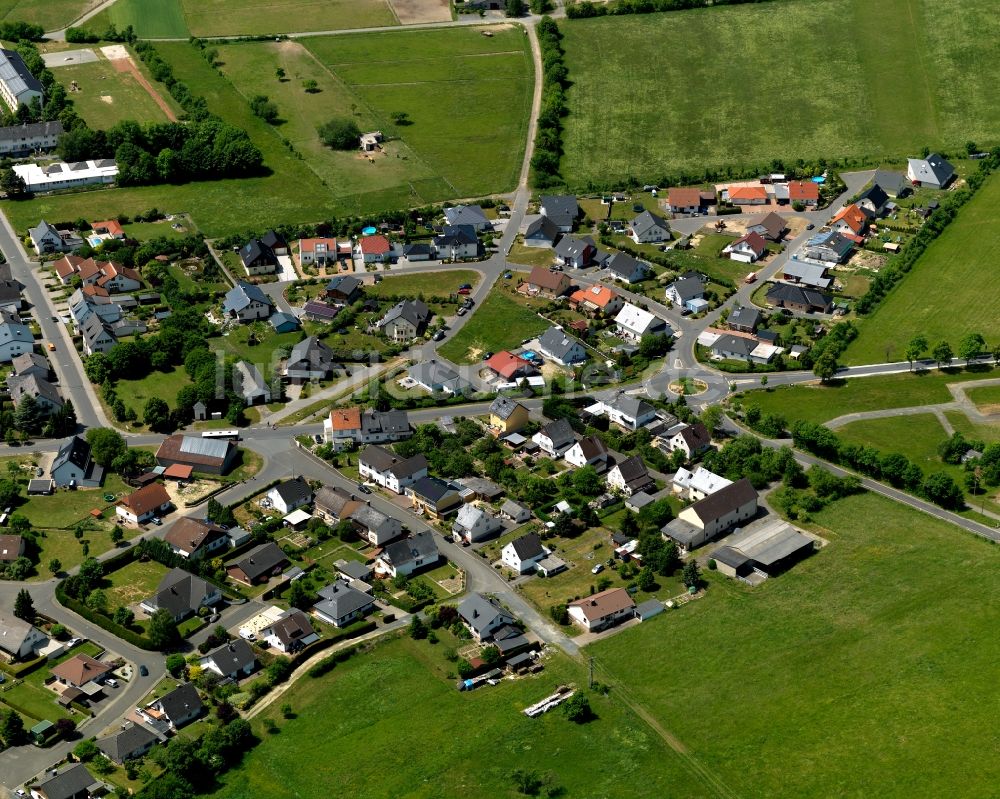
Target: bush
(340,134)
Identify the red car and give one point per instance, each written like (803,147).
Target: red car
(465,291)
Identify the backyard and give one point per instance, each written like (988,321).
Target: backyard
(429,284)
(899,80)
(503,320)
(853,674)
(131,584)
(32,698)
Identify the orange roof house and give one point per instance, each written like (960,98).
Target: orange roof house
(747,194)
(344,419)
(375,245)
(600,298)
(680,199)
(510,366)
(803,191)
(851,217)
(109,228)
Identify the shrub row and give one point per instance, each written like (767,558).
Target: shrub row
(102,621)
(326,665)
(932,228)
(548,138)
(588,9)
(195,106)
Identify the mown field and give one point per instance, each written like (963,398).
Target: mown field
(499,323)
(474,148)
(107,96)
(432,741)
(949,292)
(253,17)
(855,674)
(50,14)
(150,20)
(659,93)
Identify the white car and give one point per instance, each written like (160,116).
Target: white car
(597,569)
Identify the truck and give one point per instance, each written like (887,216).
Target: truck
(751,278)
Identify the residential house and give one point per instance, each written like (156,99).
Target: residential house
(626,269)
(471,215)
(283,322)
(10,293)
(803,191)
(649,228)
(744,319)
(390,470)
(555,438)
(320,311)
(182,594)
(547,283)
(830,247)
(562,209)
(474,523)
(457,242)
(98,335)
(509,366)
(688,293)
(540,231)
(334,504)
(31,363)
(561,348)
(93,300)
(523,554)
(596,300)
(374,249)
(318,252)
(274,242)
(115,278)
(249,384)
(130,743)
(602,610)
(806,274)
(575,253)
(343,288)
(734,348)
(259,565)
(177,708)
(892,183)
(233,660)
(15,336)
(747,195)
(483,616)
(748,248)
(340,604)
(350,425)
(686,201)
(874,201)
(418,251)
(771,226)
(73,782)
(405,320)
(310,359)
(141,506)
(47,239)
(515,512)
(372,525)
(508,415)
(195,538)
(12,547)
(851,220)
(74,466)
(697,484)
(80,670)
(18,639)
(209,455)
(437,377)
(246,302)
(588,451)
(414,553)
(625,410)
(289,495)
(632,323)
(797,298)
(45,394)
(933,171)
(691,439)
(435,497)
(630,476)
(712,515)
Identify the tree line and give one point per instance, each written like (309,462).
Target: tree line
(587,9)
(548,140)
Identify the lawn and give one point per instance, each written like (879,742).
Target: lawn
(818,403)
(266,354)
(944,295)
(64,509)
(915,436)
(430,738)
(107,96)
(840,78)
(429,284)
(855,674)
(162,19)
(164,385)
(133,583)
(986,398)
(50,14)
(989,433)
(503,320)
(144,231)
(530,256)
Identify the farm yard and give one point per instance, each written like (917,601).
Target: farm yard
(866,647)
(841,78)
(946,291)
(418,710)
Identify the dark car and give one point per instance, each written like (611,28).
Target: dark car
(143,671)
(810,226)
(364,489)
(465,286)
(438,336)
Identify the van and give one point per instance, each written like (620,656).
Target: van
(111,681)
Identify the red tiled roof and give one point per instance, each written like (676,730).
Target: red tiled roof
(111,227)
(146,499)
(178,471)
(309,245)
(603,604)
(684,198)
(852,216)
(755,240)
(68,265)
(507,364)
(345,419)
(802,190)
(598,296)
(748,193)
(543,278)
(375,245)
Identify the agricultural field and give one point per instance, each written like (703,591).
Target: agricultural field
(107,96)
(50,14)
(841,78)
(160,20)
(850,675)
(945,292)
(255,17)
(503,320)
(418,710)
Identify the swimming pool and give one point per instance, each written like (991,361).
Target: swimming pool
(529,355)
(368,231)
(95,241)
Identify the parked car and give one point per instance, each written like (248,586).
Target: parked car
(465,291)
(487,355)
(364,489)
(469,302)
(462,311)
(465,286)
(597,569)
(51,347)
(112,682)
(438,336)
(143,671)
(810,226)
(157,521)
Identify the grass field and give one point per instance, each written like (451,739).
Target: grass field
(50,14)
(431,738)
(165,385)
(253,17)
(66,508)
(133,583)
(837,77)
(987,398)
(944,295)
(816,403)
(430,284)
(852,675)
(162,19)
(915,436)
(500,322)
(107,96)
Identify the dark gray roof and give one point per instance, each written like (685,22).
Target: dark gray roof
(68,783)
(415,312)
(417,248)
(572,247)
(294,490)
(503,407)
(332,499)
(735,344)
(30,130)
(543,227)
(378,458)
(242,294)
(15,73)
(261,560)
(312,353)
(344,284)
(23,385)
(75,451)
(633,470)
(181,592)
(255,250)
(233,656)
(294,626)
(625,265)
(354,569)
(368,517)
(798,295)
(557,343)
(396,423)
(528,546)
(724,501)
(646,221)
(338,600)
(466,215)
(481,613)
(283,318)
(418,545)
(435,373)
(630,405)
(133,738)
(745,317)
(559,432)
(432,489)
(181,701)
(273,241)
(936,165)
(456,234)
(876,195)
(892,182)
(730,557)
(560,208)
(688,288)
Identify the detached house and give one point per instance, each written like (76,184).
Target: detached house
(372,525)
(831,247)
(319,251)
(561,348)
(697,484)
(747,195)
(588,451)
(47,239)
(18,639)
(74,466)
(932,171)
(405,320)
(142,505)
(632,323)
(433,496)
(561,209)
(508,415)
(457,242)
(540,232)
(409,555)
(806,273)
(626,269)
(259,565)
(797,298)
(691,439)
(435,376)
(509,366)
(389,470)
(45,394)
(249,384)
(339,604)
(374,249)
(98,335)
(483,616)
(688,293)
(803,191)
(686,200)
(748,249)
(744,319)
(289,495)
(291,633)
(343,288)
(851,220)
(555,438)
(258,258)
(771,226)
(649,228)
(73,782)
(602,610)
(630,476)
(575,253)
(15,337)
(471,215)
(234,660)
(246,302)
(131,743)
(523,554)
(596,300)
(195,538)
(475,524)
(310,359)
(625,410)
(546,283)
(350,425)
(182,594)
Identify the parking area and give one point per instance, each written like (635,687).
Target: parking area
(68,58)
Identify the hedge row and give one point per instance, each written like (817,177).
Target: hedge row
(548,138)
(588,9)
(327,664)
